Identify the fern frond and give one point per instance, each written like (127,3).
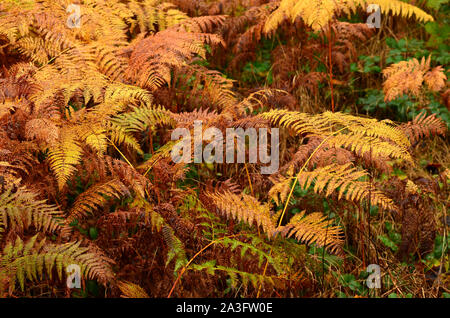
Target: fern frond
(64,156)
(236,276)
(130,290)
(95,198)
(423,126)
(435,79)
(314,228)
(156,56)
(141,118)
(33,259)
(317,13)
(358,134)
(281,187)
(176,248)
(407,77)
(20,209)
(345,180)
(254,250)
(244,208)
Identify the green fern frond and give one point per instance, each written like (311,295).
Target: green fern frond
(176,249)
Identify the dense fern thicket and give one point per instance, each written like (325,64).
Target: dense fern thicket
(91,91)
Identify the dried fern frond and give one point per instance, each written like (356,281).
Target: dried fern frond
(207,86)
(435,79)
(314,228)
(96,197)
(156,56)
(317,13)
(281,186)
(358,134)
(243,208)
(407,77)
(34,259)
(424,126)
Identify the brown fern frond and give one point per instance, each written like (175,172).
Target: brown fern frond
(435,79)
(314,228)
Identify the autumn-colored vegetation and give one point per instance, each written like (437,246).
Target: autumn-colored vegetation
(90,92)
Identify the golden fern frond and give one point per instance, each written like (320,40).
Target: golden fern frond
(424,126)
(314,228)
(435,79)
(95,198)
(364,136)
(404,77)
(258,98)
(317,13)
(33,259)
(130,290)
(126,94)
(203,24)
(64,155)
(407,77)
(244,208)
(344,180)
(209,85)
(371,147)
(20,209)
(119,136)
(156,56)
(399,8)
(149,14)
